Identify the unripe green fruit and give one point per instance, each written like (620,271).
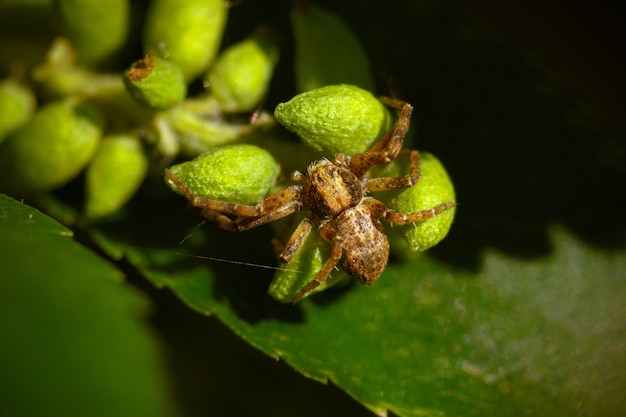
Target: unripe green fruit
(51,149)
(327,52)
(187,32)
(302,269)
(156,83)
(114,174)
(97,29)
(242,174)
(336,119)
(241,75)
(17,105)
(433,188)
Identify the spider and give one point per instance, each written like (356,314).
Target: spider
(336,195)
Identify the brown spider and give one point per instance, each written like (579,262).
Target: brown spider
(335,193)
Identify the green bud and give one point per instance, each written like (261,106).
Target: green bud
(327,52)
(114,174)
(242,174)
(198,126)
(196,134)
(302,269)
(96,29)
(51,149)
(17,105)
(59,77)
(187,32)
(241,75)
(156,83)
(433,188)
(336,118)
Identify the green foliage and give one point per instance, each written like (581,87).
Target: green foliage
(327,51)
(73,338)
(427,338)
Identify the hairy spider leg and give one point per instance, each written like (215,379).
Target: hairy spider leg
(286,252)
(395,183)
(335,255)
(274,207)
(389,146)
(392,216)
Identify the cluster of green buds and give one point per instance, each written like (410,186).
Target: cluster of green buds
(73,102)
(65,111)
(335,112)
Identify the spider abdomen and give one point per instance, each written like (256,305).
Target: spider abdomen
(365,247)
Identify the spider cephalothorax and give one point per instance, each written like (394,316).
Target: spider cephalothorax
(336,195)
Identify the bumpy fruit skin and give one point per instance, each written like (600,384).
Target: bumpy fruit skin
(155,83)
(187,32)
(96,29)
(302,269)
(17,105)
(335,119)
(327,52)
(114,175)
(434,187)
(51,149)
(242,174)
(241,75)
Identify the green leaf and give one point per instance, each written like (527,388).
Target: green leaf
(427,339)
(72,342)
(326,50)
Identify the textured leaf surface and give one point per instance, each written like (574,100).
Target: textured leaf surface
(541,336)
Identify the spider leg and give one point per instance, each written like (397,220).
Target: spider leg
(392,216)
(286,253)
(246,223)
(331,262)
(394,183)
(272,208)
(389,146)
